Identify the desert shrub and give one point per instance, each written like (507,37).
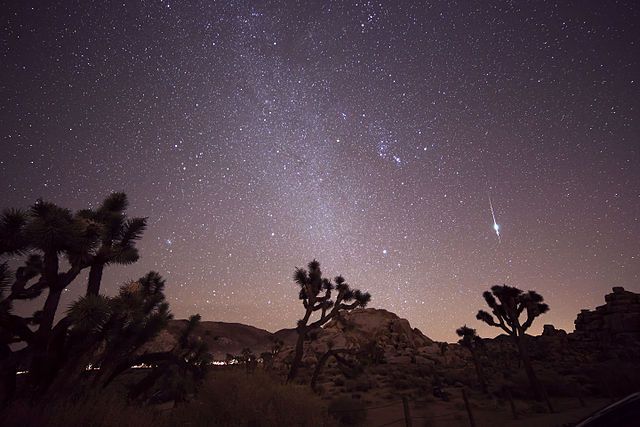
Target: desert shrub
(108,409)
(231,398)
(401,383)
(359,384)
(227,398)
(348,411)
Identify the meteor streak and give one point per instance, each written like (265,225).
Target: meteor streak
(496,227)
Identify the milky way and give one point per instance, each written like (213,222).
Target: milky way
(258,136)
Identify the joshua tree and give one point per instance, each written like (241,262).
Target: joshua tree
(117,237)
(249,360)
(507,303)
(47,232)
(110,331)
(268,356)
(316,293)
(178,372)
(471,341)
(57,245)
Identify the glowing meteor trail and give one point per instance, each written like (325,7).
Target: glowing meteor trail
(496,227)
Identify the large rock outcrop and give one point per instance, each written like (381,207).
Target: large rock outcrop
(396,341)
(362,326)
(618,320)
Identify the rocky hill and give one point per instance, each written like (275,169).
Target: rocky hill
(222,338)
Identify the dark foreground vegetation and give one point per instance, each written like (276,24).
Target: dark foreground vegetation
(227,397)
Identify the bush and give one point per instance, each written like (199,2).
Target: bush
(227,398)
(348,411)
(97,411)
(401,384)
(231,398)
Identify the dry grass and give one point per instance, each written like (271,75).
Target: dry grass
(235,399)
(228,398)
(96,411)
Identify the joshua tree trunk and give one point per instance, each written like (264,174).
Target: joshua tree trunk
(48,315)
(297,359)
(95,277)
(51,266)
(526,361)
(41,370)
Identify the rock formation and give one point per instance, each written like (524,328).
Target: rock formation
(617,321)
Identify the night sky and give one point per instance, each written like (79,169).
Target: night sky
(257,136)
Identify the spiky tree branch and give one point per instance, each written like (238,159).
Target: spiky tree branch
(46,234)
(316,295)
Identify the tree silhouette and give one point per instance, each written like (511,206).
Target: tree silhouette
(268,356)
(470,340)
(175,373)
(507,304)
(117,237)
(49,234)
(55,245)
(110,332)
(248,359)
(316,296)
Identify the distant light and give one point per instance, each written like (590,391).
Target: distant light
(496,227)
(384,251)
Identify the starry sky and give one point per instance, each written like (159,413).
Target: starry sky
(257,136)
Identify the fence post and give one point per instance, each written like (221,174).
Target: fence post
(407,414)
(466,404)
(513,405)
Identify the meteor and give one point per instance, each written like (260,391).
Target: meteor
(496,227)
